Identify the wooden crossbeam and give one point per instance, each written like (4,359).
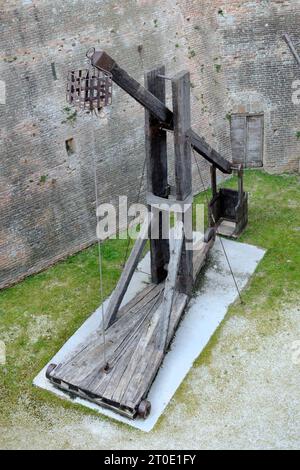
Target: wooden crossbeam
(156,107)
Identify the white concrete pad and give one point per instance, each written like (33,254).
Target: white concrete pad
(206,311)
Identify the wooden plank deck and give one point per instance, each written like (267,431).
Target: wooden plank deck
(134,350)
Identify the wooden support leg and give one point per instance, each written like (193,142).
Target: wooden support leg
(241,183)
(170,285)
(157,172)
(183,169)
(213,208)
(213,173)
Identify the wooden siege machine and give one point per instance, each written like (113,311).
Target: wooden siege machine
(139,333)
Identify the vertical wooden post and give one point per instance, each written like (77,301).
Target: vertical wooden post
(157,171)
(241,183)
(213,172)
(183,169)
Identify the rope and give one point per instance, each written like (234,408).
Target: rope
(100,263)
(140,52)
(137,201)
(218,234)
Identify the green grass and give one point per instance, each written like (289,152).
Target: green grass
(274,224)
(40,314)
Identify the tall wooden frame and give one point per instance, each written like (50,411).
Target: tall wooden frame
(138,334)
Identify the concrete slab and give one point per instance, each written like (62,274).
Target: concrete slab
(205,313)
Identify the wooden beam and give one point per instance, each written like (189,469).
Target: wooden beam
(126,276)
(200,255)
(158,109)
(211,155)
(157,172)
(182,126)
(240,174)
(170,285)
(183,170)
(214,186)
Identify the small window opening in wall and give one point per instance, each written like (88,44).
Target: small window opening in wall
(70,146)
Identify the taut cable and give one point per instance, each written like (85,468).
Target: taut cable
(220,238)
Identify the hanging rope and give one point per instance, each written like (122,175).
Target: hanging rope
(100,263)
(140,52)
(100,260)
(137,202)
(220,238)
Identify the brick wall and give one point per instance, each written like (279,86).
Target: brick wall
(237,60)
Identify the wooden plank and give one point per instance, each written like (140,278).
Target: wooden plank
(157,171)
(199,257)
(226,228)
(135,302)
(143,365)
(170,285)
(182,125)
(85,366)
(155,356)
(121,367)
(131,374)
(139,389)
(241,183)
(108,386)
(131,377)
(158,109)
(126,276)
(179,304)
(90,354)
(254,145)
(156,137)
(183,169)
(238,132)
(213,174)
(150,362)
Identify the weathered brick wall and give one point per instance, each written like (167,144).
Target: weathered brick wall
(47,199)
(260,71)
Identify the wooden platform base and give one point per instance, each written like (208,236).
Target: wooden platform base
(134,350)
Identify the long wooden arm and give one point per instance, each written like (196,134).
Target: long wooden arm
(103,61)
